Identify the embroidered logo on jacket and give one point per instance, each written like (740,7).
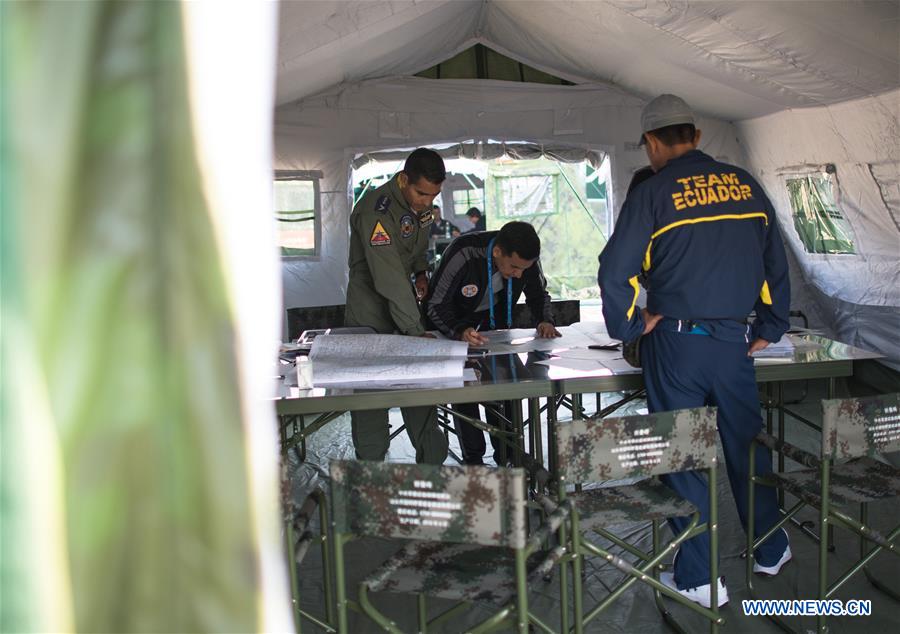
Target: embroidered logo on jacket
(382,204)
(425,218)
(469,290)
(407,226)
(380,237)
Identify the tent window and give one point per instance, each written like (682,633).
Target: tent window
(595,186)
(465,199)
(819,221)
(481,62)
(547,187)
(297,213)
(520,196)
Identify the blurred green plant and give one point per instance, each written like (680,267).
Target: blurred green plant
(124,497)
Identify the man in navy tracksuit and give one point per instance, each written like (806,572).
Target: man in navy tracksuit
(480,279)
(706,236)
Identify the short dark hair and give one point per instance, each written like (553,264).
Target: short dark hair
(427,164)
(519,238)
(473,211)
(674,134)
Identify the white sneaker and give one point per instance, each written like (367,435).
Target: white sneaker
(774,570)
(700,594)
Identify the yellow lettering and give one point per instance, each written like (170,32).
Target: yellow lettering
(711,196)
(678,199)
(714,180)
(686,182)
(723,192)
(730,179)
(699,181)
(734,192)
(745,192)
(690,199)
(701,196)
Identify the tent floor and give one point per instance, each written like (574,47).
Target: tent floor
(634,612)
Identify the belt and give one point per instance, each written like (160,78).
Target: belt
(685,326)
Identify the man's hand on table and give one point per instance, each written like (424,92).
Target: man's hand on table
(546,330)
(758,344)
(472,337)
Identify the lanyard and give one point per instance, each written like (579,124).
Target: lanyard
(490,267)
(512,367)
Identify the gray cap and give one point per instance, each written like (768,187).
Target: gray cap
(663,111)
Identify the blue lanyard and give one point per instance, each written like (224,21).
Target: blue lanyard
(490,262)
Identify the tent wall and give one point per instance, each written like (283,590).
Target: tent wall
(326,131)
(856,297)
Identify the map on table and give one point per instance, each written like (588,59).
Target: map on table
(380,361)
(520,340)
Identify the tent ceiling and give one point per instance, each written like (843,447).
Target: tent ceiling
(735,60)
(322,44)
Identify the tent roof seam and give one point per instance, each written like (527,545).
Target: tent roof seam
(725,62)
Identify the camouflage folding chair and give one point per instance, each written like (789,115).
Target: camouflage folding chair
(297,540)
(601,450)
(467,532)
(846,473)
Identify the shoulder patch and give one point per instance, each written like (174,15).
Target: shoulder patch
(469,290)
(380,237)
(382,204)
(426,218)
(407,226)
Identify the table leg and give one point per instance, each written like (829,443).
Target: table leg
(518,422)
(832,384)
(779,391)
(577,407)
(537,442)
(551,436)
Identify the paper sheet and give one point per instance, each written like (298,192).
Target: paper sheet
(591,355)
(619,365)
(377,346)
(783,348)
(573,364)
(520,340)
(380,361)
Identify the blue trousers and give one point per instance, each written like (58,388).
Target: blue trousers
(684,370)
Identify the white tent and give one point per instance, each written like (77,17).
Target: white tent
(782,88)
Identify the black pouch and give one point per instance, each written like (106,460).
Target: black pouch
(631,352)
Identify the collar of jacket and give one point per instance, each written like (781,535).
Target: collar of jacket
(398,195)
(691,156)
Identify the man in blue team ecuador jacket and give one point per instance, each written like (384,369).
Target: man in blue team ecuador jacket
(707,237)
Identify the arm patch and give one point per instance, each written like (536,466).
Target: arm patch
(382,204)
(380,237)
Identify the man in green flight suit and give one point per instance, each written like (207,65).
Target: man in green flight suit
(389,231)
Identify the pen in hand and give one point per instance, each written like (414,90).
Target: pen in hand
(473,338)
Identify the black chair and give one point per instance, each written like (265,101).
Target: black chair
(313,317)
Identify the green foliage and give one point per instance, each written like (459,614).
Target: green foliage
(125,343)
(817,218)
